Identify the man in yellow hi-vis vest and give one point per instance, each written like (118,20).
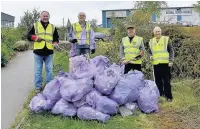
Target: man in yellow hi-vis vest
(45,37)
(82,37)
(131,50)
(162,57)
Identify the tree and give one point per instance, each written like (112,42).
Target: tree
(152,7)
(29,19)
(144,11)
(93,23)
(197,6)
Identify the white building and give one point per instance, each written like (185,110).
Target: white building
(170,15)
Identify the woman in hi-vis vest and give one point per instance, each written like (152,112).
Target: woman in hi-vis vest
(45,37)
(162,57)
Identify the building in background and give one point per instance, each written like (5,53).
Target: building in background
(7,20)
(171,15)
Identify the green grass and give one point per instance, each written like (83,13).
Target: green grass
(183,112)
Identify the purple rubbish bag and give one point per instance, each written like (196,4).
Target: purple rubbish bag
(81,102)
(88,113)
(80,67)
(99,63)
(52,89)
(74,90)
(65,108)
(148,97)
(101,103)
(127,89)
(106,81)
(38,103)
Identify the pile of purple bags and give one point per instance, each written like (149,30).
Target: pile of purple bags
(94,89)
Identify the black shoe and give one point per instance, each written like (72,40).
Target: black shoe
(38,90)
(169,100)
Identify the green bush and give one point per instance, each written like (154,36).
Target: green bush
(187,49)
(21,46)
(4,55)
(9,36)
(62,32)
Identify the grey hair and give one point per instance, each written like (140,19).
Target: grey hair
(81,13)
(45,12)
(156,29)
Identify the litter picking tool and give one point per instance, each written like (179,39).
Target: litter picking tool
(59,46)
(124,111)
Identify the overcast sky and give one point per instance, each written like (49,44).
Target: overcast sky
(66,9)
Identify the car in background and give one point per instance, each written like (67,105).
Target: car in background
(185,23)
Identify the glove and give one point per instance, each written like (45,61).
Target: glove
(55,44)
(36,38)
(92,51)
(170,64)
(74,41)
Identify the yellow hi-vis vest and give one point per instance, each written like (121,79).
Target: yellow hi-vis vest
(47,35)
(159,50)
(78,30)
(131,50)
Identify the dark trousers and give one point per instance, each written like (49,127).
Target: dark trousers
(130,66)
(163,79)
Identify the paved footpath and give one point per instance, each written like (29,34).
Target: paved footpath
(16,83)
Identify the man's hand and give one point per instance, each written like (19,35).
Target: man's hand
(74,41)
(36,38)
(92,51)
(39,39)
(55,45)
(170,64)
(151,58)
(123,61)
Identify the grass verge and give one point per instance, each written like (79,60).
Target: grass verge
(182,113)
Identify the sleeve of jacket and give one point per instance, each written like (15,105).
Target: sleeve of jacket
(121,50)
(55,36)
(149,49)
(30,33)
(170,49)
(71,34)
(92,39)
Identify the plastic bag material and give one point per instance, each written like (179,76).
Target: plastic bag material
(88,113)
(101,103)
(78,63)
(148,97)
(106,81)
(99,35)
(119,69)
(65,108)
(49,104)
(38,103)
(74,90)
(127,89)
(137,77)
(80,67)
(99,63)
(81,102)
(52,89)
(131,106)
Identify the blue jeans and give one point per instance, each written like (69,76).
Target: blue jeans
(48,60)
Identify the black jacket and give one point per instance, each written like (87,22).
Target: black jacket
(45,51)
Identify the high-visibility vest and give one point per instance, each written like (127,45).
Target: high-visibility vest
(131,50)
(47,35)
(78,30)
(159,50)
